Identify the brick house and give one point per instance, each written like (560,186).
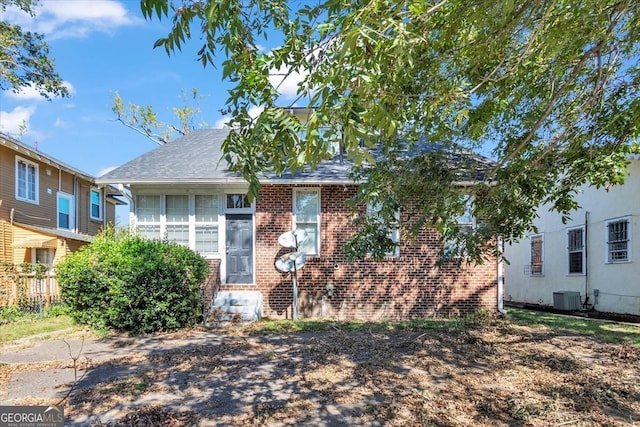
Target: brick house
(183,192)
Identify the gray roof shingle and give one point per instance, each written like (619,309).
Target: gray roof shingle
(193,157)
(198,158)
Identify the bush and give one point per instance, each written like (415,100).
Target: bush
(130,284)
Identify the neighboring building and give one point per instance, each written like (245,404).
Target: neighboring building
(182,191)
(591,262)
(47,208)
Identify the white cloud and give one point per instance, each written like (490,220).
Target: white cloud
(30,93)
(16,121)
(224,121)
(74,18)
(286,81)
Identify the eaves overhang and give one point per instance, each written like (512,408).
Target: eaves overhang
(33,154)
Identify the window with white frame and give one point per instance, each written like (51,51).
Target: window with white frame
(26,180)
(43,255)
(575,249)
(148,216)
(65,211)
(206,223)
(95,203)
(466,222)
(306,212)
(177,219)
(618,240)
(237,201)
(393,233)
(189,220)
(536,255)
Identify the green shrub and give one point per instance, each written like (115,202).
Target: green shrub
(128,283)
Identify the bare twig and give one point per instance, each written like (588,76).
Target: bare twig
(75,370)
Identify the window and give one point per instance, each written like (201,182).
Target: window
(26,181)
(189,220)
(206,223)
(537,255)
(575,247)
(148,211)
(237,201)
(618,238)
(95,204)
(43,255)
(466,222)
(373,211)
(306,211)
(65,211)
(177,219)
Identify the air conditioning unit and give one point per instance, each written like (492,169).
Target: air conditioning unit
(567,300)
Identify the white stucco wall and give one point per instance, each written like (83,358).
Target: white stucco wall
(618,283)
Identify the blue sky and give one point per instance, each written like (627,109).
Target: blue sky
(101,47)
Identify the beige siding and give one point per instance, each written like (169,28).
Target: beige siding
(52,179)
(6,252)
(42,214)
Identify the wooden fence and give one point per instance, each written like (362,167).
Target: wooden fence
(26,289)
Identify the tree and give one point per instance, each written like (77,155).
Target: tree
(144,119)
(551,86)
(25,59)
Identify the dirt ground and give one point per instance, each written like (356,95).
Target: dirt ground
(498,374)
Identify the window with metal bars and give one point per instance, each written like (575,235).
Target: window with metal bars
(575,237)
(618,237)
(537,252)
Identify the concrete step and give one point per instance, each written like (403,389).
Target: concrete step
(235,307)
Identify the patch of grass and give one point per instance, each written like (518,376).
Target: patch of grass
(602,330)
(27,327)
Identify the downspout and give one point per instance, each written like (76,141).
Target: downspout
(586,260)
(104,207)
(500,277)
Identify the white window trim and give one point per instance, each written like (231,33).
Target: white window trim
(531,237)
(318,215)
(193,224)
(629,239)
(165,222)
(395,233)
(223,203)
(138,222)
(100,203)
(584,251)
(50,251)
(37,179)
(473,224)
(191,219)
(72,208)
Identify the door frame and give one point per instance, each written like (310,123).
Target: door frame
(233,211)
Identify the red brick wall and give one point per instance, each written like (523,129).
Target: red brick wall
(410,286)
(212,283)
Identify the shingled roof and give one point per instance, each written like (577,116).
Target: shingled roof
(198,158)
